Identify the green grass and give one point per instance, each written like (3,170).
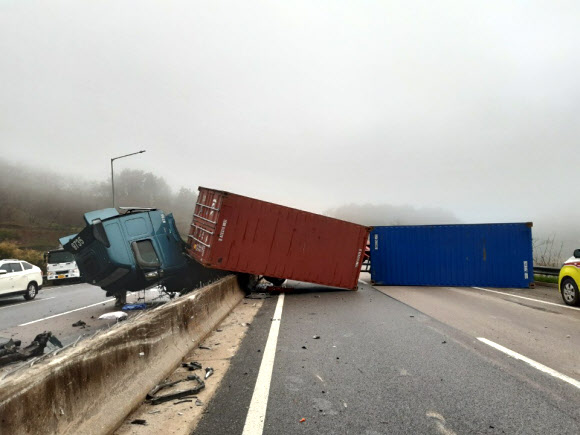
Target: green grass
(546,278)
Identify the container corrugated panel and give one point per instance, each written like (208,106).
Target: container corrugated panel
(241,234)
(490,255)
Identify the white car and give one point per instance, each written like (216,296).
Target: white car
(19,278)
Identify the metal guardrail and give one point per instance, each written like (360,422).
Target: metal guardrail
(544,270)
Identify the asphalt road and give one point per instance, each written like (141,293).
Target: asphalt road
(532,322)
(381,367)
(55,309)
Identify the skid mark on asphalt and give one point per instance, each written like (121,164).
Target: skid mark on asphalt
(531,362)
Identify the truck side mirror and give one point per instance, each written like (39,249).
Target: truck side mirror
(577,253)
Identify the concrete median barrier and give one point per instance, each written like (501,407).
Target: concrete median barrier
(89,389)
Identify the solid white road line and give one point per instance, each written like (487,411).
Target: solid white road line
(529,299)
(26,303)
(257,412)
(531,362)
(67,312)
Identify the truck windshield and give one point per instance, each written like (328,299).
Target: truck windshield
(60,257)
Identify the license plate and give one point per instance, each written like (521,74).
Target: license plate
(61,277)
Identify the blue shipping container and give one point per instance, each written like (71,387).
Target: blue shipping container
(490,255)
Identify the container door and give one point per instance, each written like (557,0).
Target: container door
(204,225)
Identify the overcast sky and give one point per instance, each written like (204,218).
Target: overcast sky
(469,106)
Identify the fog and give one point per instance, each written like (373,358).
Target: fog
(424,111)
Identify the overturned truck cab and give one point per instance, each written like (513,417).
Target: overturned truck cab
(133,251)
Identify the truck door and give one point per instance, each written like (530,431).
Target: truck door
(6,279)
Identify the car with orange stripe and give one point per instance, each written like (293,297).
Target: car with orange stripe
(569,279)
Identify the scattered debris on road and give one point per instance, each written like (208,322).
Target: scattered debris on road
(181,394)
(204,347)
(114,315)
(316,337)
(208,372)
(79,323)
(139,421)
(191,366)
(10,351)
(258,296)
(304,347)
(183,401)
(134,307)
(198,402)
(302,420)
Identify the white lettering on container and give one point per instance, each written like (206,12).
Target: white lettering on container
(357,258)
(223,230)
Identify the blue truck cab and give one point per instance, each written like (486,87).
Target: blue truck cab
(130,251)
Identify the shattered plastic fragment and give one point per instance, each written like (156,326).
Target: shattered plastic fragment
(302,420)
(133,307)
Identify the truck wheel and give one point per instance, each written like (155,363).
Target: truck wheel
(275,281)
(569,292)
(31,291)
(120,299)
(247,282)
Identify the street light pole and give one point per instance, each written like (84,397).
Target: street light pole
(112,174)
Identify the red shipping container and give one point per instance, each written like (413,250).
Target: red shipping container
(241,234)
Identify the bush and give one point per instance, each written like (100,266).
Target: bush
(12,250)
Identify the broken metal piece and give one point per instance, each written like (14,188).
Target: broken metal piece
(198,402)
(182,401)
(155,400)
(191,366)
(316,337)
(139,421)
(14,353)
(208,372)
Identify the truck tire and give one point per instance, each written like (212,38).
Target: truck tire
(247,282)
(31,291)
(275,281)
